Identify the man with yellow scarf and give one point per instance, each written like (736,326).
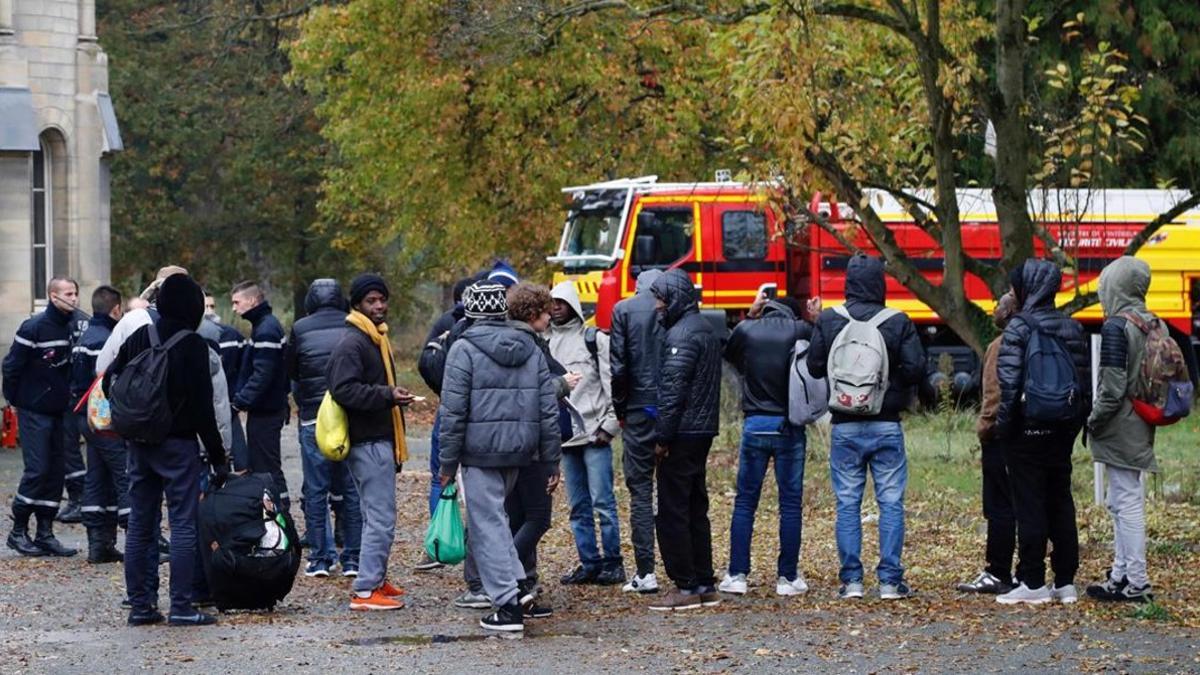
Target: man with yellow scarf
(362,378)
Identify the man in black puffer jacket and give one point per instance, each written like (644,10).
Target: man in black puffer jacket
(874,442)
(312,340)
(689,406)
(1038,456)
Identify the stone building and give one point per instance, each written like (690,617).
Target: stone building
(57,133)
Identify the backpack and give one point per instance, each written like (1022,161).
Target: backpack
(1162,392)
(1050,392)
(138,400)
(593,345)
(808,396)
(858,364)
(432,363)
(250,550)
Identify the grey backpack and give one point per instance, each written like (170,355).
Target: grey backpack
(808,396)
(858,365)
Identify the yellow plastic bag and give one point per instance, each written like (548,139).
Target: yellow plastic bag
(333,430)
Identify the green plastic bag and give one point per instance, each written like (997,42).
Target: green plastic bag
(446,539)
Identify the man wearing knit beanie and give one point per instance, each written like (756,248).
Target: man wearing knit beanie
(502,273)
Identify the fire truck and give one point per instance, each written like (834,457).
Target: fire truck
(735,245)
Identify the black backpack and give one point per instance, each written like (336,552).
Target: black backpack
(232,520)
(138,397)
(1051,391)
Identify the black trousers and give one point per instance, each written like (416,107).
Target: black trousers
(42,438)
(263,432)
(1039,468)
(637,458)
(106,487)
(684,531)
(529,507)
(998,511)
(76,472)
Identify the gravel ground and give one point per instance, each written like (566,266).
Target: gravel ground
(63,616)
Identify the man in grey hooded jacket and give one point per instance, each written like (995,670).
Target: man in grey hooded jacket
(587,462)
(1120,439)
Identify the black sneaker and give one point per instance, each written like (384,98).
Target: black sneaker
(986,583)
(144,617)
(428,563)
(197,619)
(611,577)
(526,591)
(580,576)
(507,619)
(1108,589)
(535,611)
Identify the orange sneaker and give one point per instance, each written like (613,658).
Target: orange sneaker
(375,602)
(390,590)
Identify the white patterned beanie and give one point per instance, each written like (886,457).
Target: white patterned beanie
(485,300)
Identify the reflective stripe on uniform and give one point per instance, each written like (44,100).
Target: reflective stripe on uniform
(36,502)
(77,474)
(99,509)
(267,345)
(38,345)
(85,350)
(227,345)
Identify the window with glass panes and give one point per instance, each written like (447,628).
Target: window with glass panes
(41,222)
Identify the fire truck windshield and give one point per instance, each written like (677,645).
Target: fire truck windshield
(590,234)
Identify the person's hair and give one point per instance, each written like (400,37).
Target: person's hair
(54,281)
(792,304)
(526,301)
(104,299)
(460,286)
(250,288)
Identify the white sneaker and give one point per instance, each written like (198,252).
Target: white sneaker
(1023,594)
(646,584)
(785,587)
(735,584)
(1067,595)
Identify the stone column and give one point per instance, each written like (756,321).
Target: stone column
(87,20)
(6,17)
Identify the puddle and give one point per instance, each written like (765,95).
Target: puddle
(438,639)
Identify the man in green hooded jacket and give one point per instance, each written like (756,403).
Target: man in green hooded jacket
(1120,439)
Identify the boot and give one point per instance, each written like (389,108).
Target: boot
(18,539)
(100,547)
(46,540)
(71,513)
(164,550)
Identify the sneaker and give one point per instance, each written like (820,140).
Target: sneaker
(145,618)
(376,601)
(986,583)
(391,591)
(197,619)
(677,600)
(642,584)
(533,610)
(204,603)
(1067,595)
(317,568)
(473,600)
(612,576)
(508,619)
(709,596)
(898,591)
(526,592)
(580,575)
(735,584)
(1133,593)
(851,590)
(1024,594)
(428,563)
(349,569)
(785,587)
(1109,588)
(1122,591)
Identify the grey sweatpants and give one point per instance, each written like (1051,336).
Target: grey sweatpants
(1127,504)
(489,538)
(637,459)
(373,467)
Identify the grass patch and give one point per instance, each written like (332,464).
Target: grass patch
(1150,611)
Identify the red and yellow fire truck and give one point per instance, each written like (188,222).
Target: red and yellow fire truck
(727,236)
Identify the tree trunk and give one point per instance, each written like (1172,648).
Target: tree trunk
(1007,109)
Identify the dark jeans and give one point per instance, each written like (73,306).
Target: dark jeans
(262,439)
(322,480)
(172,467)
(435,466)
(73,465)
(637,459)
(684,532)
(766,439)
(1040,470)
(241,453)
(998,511)
(106,487)
(42,438)
(528,507)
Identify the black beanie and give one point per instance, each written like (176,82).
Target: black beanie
(365,283)
(180,298)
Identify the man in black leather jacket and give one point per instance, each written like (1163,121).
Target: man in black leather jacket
(1039,456)
(689,398)
(313,339)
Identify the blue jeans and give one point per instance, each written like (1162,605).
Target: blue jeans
(763,438)
(435,466)
(856,447)
(588,473)
(321,477)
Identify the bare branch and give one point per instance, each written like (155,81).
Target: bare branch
(1140,239)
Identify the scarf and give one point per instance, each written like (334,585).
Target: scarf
(378,335)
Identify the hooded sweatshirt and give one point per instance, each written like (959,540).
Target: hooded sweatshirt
(1118,435)
(312,340)
(634,349)
(592,397)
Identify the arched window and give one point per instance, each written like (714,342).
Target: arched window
(43,220)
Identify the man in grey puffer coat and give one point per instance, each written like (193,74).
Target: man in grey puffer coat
(1120,439)
(499,412)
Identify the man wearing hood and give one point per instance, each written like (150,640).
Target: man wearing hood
(499,413)
(135,318)
(1120,439)
(689,408)
(172,466)
(312,341)
(870,442)
(587,457)
(634,353)
(1038,454)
